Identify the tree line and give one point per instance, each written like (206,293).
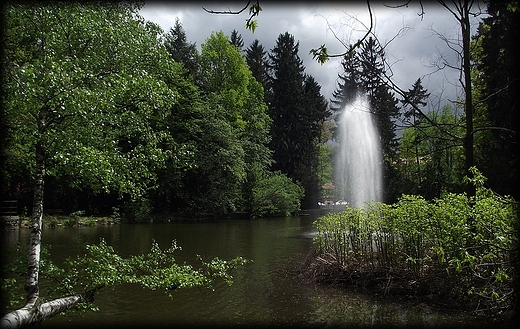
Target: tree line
(110,113)
(102,109)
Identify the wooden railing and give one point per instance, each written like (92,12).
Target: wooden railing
(9,214)
(9,208)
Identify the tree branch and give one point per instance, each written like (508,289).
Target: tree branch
(322,55)
(254,10)
(33,312)
(406,5)
(229,11)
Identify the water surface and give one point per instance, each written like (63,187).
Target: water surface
(265,292)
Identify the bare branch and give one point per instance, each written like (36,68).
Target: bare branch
(254,10)
(421,13)
(322,55)
(229,11)
(360,41)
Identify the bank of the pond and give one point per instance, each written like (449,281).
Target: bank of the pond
(70,221)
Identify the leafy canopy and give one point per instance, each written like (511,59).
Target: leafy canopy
(89,83)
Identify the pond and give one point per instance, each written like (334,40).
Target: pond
(265,292)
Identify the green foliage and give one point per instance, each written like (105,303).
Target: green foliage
(298,111)
(92,95)
(495,96)
(137,210)
(321,54)
(229,134)
(472,242)
(254,10)
(180,49)
(325,174)
(276,195)
(102,267)
(430,163)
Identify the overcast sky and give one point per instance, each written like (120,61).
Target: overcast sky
(410,53)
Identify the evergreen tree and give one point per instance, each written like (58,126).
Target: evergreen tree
(498,84)
(315,113)
(363,72)
(416,95)
(409,155)
(236,40)
(180,49)
(286,103)
(349,82)
(257,62)
(298,110)
(383,103)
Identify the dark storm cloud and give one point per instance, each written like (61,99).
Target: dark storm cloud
(411,54)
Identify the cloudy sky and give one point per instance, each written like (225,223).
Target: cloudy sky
(410,54)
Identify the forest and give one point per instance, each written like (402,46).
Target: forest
(106,114)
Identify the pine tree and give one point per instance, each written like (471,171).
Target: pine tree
(314,116)
(499,79)
(286,102)
(363,72)
(349,84)
(416,95)
(298,111)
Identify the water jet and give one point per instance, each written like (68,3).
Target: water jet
(359,160)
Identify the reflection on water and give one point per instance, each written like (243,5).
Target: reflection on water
(265,292)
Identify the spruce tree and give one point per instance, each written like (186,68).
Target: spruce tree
(298,110)
(363,72)
(180,49)
(286,103)
(499,65)
(236,40)
(314,116)
(257,61)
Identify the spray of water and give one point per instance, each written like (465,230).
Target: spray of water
(359,160)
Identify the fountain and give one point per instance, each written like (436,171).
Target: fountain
(359,159)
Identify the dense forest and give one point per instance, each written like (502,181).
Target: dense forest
(118,116)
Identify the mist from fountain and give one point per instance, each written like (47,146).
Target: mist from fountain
(359,161)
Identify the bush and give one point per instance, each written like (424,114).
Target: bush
(276,195)
(137,210)
(451,246)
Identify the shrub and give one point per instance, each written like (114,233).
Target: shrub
(276,195)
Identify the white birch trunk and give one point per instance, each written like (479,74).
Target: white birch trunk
(34,312)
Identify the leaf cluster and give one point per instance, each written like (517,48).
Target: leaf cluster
(101,266)
(276,195)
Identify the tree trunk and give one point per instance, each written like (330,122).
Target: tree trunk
(34,312)
(468,138)
(33,265)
